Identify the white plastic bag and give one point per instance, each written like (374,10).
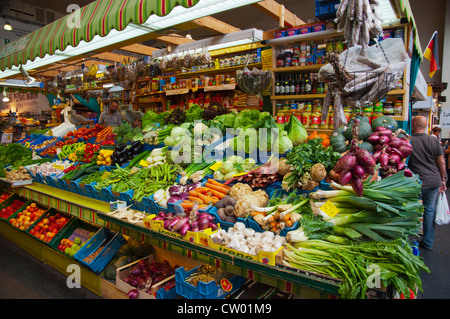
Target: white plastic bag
(442,210)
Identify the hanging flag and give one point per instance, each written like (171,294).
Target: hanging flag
(432,54)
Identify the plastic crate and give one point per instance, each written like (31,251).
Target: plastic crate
(27,203)
(155,208)
(51,212)
(10,200)
(76,228)
(327,9)
(111,243)
(204,290)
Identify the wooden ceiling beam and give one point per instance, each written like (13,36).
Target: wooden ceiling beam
(215,25)
(139,49)
(174,39)
(278,12)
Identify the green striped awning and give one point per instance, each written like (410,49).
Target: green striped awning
(96,18)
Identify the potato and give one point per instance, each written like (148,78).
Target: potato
(229,210)
(221,213)
(230,219)
(230,201)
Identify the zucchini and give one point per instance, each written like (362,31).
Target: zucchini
(138,158)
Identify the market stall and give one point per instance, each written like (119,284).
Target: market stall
(308,194)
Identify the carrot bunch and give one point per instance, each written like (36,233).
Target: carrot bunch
(276,221)
(101,136)
(212,192)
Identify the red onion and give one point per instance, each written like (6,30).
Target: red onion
(395,142)
(133,294)
(358,171)
(405,150)
(345,177)
(179,223)
(174,221)
(383,159)
(357,186)
(212,226)
(394,159)
(384,140)
(206,215)
(373,139)
(364,157)
(184,229)
(376,155)
(400,166)
(380,128)
(203,223)
(345,163)
(408,173)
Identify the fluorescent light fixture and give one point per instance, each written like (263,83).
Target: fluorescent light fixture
(108,85)
(214,43)
(154,23)
(7,26)
(387,12)
(5,96)
(115,88)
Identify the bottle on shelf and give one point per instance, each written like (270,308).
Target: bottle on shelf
(291,85)
(297,85)
(277,85)
(302,84)
(307,84)
(287,87)
(282,85)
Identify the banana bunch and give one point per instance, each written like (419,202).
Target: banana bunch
(92,70)
(69,149)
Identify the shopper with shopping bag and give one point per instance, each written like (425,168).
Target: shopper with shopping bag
(427,160)
(442,210)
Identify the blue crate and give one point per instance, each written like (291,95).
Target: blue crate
(92,192)
(203,290)
(39,178)
(155,208)
(108,194)
(167,294)
(327,10)
(112,243)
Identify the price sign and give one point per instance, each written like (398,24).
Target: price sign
(330,209)
(143,163)
(61,167)
(226,285)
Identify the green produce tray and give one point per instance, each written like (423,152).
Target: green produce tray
(9,201)
(10,194)
(49,213)
(36,221)
(67,231)
(21,208)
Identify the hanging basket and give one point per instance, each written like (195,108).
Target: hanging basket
(253,81)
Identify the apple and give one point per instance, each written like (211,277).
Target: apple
(67,251)
(77,241)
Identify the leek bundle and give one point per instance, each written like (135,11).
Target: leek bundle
(397,266)
(389,209)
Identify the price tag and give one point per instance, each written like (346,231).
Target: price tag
(330,209)
(216,166)
(226,285)
(158,224)
(61,167)
(143,163)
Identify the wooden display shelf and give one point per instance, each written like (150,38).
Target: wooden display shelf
(303,68)
(88,209)
(219,70)
(297,97)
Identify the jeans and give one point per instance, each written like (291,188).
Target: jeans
(429,199)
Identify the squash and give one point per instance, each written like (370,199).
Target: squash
(338,142)
(385,121)
(110,271)
(313,135)
(365,130)
(366,146)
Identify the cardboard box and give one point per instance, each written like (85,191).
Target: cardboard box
(123,272)
(7,138)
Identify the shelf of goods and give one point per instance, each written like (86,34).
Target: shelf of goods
(300,57)
(299,283)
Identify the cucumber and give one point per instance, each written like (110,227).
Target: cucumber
(138,158)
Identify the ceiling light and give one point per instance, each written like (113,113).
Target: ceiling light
(7,26)
(5,96)
(188,35)
(25,74)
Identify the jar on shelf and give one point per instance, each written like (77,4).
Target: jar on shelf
(280,117)
(388,108)
(316,117)
(347,113)
(306,116)
(398,107)
(330,118)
